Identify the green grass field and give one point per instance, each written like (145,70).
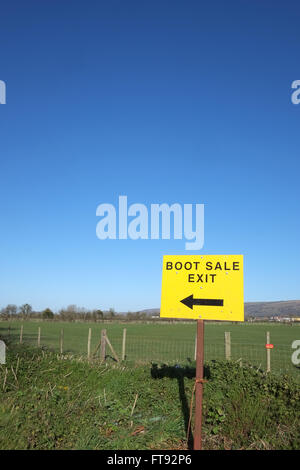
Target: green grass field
(166,341)
(48,401)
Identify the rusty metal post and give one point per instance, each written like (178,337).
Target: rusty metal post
(199,385)
(268,353)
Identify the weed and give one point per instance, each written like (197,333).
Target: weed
(50,402)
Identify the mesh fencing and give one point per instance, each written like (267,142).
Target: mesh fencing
(168,351)
(163,349)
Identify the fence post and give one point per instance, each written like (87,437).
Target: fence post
(103,343)
(112,349)
(89,343)
(227,345)
(124,344)
(39,337)
(195,354)
(61,341)
(21,334)
(2,352)
(268,353)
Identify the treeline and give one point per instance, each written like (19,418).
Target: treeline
(71,313)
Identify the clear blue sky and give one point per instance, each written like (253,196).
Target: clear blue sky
(162,101)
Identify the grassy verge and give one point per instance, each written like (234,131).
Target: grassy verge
(52,402)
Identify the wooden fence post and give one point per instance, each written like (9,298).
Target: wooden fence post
(61,341)
(103,344)
(124,345)
(21,334)
(89,343)
(2,352)
(112,349)
(39,337)
(227,345)
(268,353)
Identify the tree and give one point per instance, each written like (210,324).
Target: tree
(98,314)
(9,310)
(25,310)
(111,313)
(70,313)
(47,314)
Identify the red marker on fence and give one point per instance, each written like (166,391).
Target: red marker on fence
(269,346)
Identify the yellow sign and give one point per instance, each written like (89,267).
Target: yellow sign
(203,287)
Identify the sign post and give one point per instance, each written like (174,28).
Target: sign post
(207,287)
(199,385)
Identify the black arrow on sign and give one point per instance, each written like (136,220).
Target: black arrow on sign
(190,302)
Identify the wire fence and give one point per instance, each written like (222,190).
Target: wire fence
(162,349)
(149,349)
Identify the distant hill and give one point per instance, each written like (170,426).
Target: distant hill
(282,308)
